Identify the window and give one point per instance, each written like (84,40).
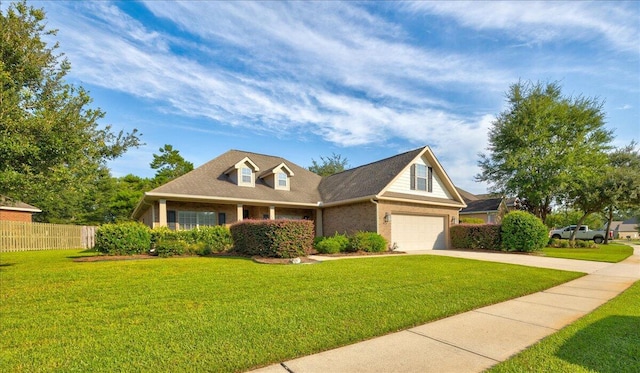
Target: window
(282,179)
(247,176)
(222,218)
(421,178)
(194,219)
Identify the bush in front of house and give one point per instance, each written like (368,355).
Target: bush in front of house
(522,231)
(370,242)
(273,238)
(214,239)
(170,247)
(471,221)
(337,243)
(475,236)
(123,239)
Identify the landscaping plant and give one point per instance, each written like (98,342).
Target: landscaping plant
(522,231)
(123,239)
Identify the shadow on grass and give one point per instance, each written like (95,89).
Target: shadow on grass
(2,265)
(611,345)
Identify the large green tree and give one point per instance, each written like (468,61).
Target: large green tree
(544,145)
(53,151)
(329,165)
(169,165)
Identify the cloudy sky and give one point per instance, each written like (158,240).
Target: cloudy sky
(366,80)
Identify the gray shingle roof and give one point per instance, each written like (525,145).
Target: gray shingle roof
(366,180)
(490,204)
(210,180)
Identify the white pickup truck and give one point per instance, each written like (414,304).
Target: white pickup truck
(583,234)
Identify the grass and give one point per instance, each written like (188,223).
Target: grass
(606,341)
(227,314)
(612,253)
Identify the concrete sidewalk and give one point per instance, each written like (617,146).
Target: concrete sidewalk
(476,340)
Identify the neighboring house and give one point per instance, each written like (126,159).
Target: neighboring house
(408,198)
(490,208)
(627,229)
(11,210)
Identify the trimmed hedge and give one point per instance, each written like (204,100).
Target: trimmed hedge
(273,238)
(522,231)
(476,236)
(123,239)
(471,221)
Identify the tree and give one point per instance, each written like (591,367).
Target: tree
(621,184)
(52,147)
(169,164)
(566,217)
(330,165)
(543,145)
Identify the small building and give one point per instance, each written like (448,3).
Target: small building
(625,230)
(11,210)
(490,208)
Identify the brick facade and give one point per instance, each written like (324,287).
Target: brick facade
(349,218)
(10,215)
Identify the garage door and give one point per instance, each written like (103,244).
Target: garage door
(413,232)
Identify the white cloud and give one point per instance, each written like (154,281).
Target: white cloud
(542,21)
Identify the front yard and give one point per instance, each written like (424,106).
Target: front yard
(227,314)
(612,253)
(606,340)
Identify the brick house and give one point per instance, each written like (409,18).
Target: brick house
(488,207)
(408,198)
(11,210)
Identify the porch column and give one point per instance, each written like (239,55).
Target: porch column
(319,231)
(239,212)
(162,213)
(272,212)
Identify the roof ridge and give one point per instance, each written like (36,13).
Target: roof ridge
(379,161)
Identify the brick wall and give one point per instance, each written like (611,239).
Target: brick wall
(10,215)
(349,218)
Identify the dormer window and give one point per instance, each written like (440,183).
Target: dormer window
(278,177)
(243,173)
(247,176)
(283,180)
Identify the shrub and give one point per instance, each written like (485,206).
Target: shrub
(171,247)
(216,238)
(273,238)
(370,242)
(123,239)
(334,244)
(471,221)
(522,231)
(475,236)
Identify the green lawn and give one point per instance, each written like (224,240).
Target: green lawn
(227,314)
(606,341)
(612,253)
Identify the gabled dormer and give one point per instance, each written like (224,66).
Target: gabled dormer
(279,177)
(243,173)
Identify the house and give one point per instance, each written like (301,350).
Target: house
(488,207)
(11,210)
(627,229)
(408,198)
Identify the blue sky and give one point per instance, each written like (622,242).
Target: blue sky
(366,80)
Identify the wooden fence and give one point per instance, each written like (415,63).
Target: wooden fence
(21,236)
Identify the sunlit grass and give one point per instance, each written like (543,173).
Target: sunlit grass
(227,314)
(612,253)
(607,340)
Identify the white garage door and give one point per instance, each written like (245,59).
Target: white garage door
(413,232)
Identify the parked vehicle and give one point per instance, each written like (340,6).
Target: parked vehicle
(583,234)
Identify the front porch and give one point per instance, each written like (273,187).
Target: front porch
(189,215)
